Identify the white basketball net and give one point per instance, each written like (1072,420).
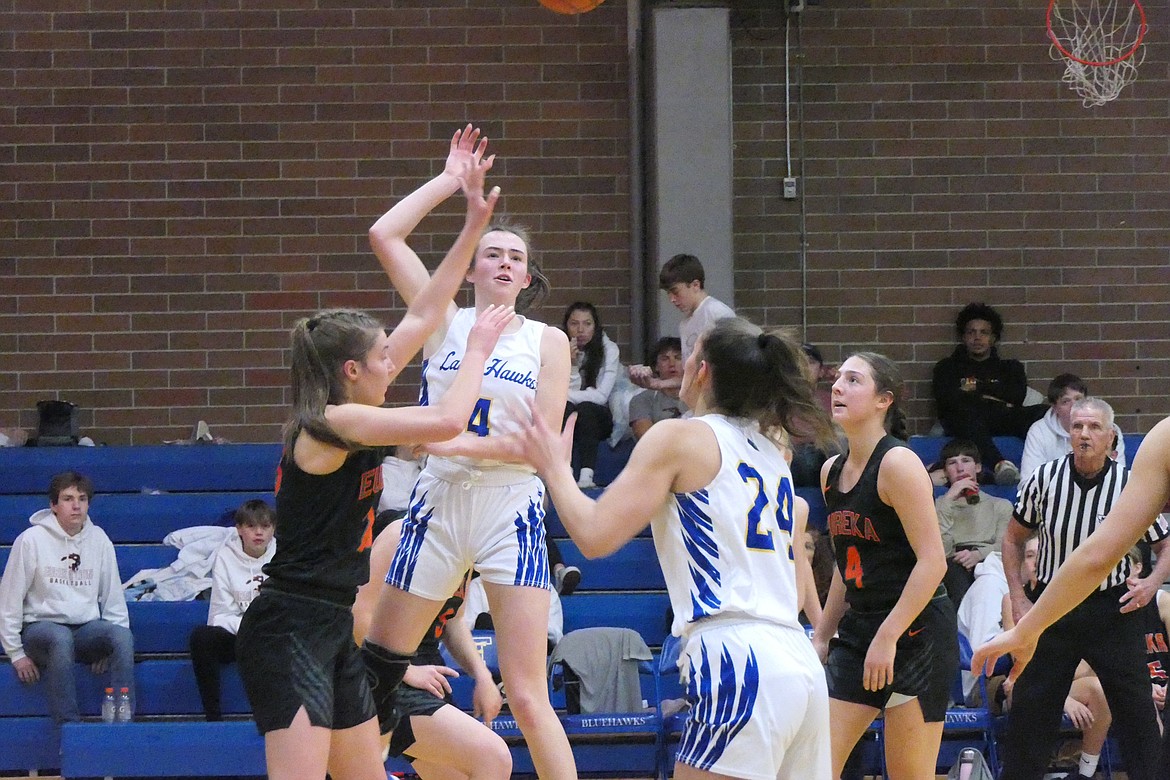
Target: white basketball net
(1100,42)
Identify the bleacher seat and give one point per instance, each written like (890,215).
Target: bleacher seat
(130,469)
(928,448)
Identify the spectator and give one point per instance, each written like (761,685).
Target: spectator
(682,278)
(1048,438)
(807,457)
(811,603)
(61,600)
(821,374)
(1064,502)
(651,406)
(979,394)
(971,521)
(235,580)
(592,372)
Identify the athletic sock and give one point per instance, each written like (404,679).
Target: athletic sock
(386,670)
(1089,764)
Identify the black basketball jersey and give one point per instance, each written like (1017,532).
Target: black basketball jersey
(1157,651)
(428,650)
(869,543)
(324,527)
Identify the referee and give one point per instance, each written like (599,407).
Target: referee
(1063,502)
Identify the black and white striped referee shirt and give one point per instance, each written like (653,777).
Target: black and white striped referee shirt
(1064,508)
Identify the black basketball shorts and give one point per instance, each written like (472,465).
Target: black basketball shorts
(296,651)
(925,663)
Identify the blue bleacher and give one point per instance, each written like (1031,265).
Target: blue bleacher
(201,483)
(130,469)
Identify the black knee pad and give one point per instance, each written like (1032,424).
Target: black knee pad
(385,669)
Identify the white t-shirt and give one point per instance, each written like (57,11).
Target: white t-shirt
(706,314)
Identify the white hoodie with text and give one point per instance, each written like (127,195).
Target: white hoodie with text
(235,581)
(52,576)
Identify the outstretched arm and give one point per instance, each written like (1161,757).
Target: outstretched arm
(1139,504)
(379,426)
(429,297)
(600,527)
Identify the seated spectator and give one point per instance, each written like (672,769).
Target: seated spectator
(812,601)
(807,458)
(61,600)
(1048,438)
(650,406)
(236,576)
(971,521)
(593,371)
(823,376)
(979,394)
(1085,704)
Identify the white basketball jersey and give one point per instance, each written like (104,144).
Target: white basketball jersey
(727,549)
(509,378)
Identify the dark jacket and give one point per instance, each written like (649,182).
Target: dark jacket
(994,377)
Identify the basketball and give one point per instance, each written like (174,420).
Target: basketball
(571,6)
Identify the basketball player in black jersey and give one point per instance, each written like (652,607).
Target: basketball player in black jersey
(302,672)
(897,643)
(439,739)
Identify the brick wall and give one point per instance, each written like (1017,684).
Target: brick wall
(945,162)
(180,185)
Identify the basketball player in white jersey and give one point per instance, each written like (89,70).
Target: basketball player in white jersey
(718,495)
(476,503)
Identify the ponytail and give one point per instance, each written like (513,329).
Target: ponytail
(763,375)
(320,346)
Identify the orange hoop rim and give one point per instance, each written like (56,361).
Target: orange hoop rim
(1142,27)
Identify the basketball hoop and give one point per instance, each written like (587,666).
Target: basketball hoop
(1100,41)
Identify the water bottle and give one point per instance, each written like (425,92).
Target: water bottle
(966,763)
(124,713)
(109,708)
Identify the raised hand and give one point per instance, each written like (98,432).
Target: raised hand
(463,151)
(472,173)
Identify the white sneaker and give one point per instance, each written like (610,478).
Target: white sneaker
(585,481)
